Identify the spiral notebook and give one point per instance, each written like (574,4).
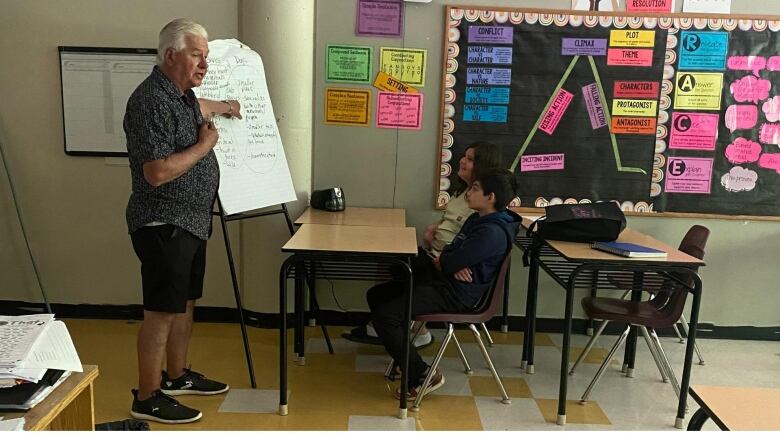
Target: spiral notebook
(628,249)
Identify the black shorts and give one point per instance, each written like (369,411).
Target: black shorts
(173,263)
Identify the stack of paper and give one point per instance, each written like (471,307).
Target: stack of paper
(30,346)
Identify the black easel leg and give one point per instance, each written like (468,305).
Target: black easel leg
(505,324)
(239,305)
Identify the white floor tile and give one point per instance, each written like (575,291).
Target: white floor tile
(380,423)
(251,401)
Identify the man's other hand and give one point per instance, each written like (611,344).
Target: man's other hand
(207,134)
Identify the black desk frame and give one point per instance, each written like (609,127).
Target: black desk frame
(643,275)
(335,265)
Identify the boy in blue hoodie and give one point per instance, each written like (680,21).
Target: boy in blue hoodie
(459,278)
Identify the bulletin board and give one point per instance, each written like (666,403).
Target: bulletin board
(676,113)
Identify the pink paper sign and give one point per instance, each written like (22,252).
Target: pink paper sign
(743,151)
(399,110)
(541,162)
(750,89)
(689,175)
(649,5)
(770,133)
(773,64)
(739,179)
(770,161)
(752,63)
(694,131)
(630,57)
(554,114)
(741,117)
(771,109)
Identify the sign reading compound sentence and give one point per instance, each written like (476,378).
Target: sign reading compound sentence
(348,64)
(407,65)
(399,110)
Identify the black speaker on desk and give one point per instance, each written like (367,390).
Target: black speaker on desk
(331,199)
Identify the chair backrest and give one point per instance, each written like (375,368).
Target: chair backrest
(666,300)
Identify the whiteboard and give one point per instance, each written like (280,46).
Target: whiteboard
(253,167)
(96,83)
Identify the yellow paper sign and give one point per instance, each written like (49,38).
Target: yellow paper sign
(698,91)
(632,38)
(386,82)
(407,65)
(634,107)
(347,106)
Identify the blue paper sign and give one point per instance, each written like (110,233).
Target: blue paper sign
(489,55)
(487,95)
(484,113)
(488,76)
(703,50)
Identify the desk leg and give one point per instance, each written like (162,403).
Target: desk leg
(79,415)
(686,377)
(505,324)
(283,336)
(530,316)
(629,358)
(408,324)
(565,354)
(300,311)
(697,420)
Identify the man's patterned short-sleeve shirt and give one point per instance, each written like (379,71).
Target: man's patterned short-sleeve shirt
(159,121)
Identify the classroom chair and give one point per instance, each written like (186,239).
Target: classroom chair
(662,310)
(483,312)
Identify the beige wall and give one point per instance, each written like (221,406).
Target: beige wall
(73,207)
(389,168)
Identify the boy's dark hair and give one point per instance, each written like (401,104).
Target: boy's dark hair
(486,155)
(500,182)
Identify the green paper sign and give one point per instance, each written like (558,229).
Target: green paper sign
(348,64)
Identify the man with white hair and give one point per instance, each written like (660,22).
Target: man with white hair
(175,176)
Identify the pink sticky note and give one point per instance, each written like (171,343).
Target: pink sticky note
(739,179)
(770,161)
(554,114)
(753,63)
(771,109)
(541,162)
(743,151)
(770,133)
(741,117)
(773,64)
(750,89)
(399,110)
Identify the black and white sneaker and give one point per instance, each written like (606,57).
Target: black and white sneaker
(162,408)
(191,383)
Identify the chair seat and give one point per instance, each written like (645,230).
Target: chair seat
(627,311)
(475,317)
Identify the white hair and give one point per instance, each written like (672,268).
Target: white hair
(172,36)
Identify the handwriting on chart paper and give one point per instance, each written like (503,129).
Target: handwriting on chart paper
(253,168)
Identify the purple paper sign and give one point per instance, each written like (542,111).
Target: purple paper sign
(491,34)
(380,18)
(488,76)
(598,117)
(584,46)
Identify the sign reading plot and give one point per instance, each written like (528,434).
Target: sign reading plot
(348,64)
(632,38)
(347,106)
(689,175)
(399,110)
(408,65)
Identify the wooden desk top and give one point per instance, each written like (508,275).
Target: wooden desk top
(355,216)
(741,408)
(353,239)
(581,251)
(40,416)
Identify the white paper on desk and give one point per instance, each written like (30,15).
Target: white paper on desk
(532,217)
(54,350)
(708,6)
(32,375)
(18,334)
(12,424)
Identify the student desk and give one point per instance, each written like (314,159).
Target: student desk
(71,406)
(736,408)
(575,265)
(355,216)
(341,252)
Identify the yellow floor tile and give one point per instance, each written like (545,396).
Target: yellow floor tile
(576,413)
(595,356)
(486,386)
